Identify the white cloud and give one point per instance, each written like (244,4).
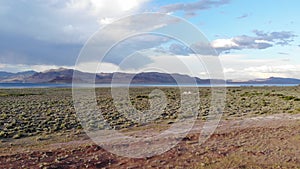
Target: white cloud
(105,8)
(2,66)
(229,70)
(224,43)
(96,66)
(272,69)
(261,41)
(21,67)
(105,21)
(101,12)
(42,68)
(242,68)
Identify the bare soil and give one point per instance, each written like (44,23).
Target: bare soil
(270,141)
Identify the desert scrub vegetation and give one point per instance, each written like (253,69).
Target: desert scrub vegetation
(30,112)
(251,101)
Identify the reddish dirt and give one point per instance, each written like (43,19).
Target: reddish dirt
(268,142)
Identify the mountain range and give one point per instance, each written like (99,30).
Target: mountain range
(66,76)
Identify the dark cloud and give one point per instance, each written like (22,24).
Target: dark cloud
(37,32)
(129,48)
(203,49)
(191,8)
(33,34)
(20,49)
(243,16)
(44,20)
(179,49)
(262,40)
(280,38)
(200,48)
(247,42)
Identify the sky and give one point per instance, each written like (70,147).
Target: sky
(253,39)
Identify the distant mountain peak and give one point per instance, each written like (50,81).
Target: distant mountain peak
(15,77)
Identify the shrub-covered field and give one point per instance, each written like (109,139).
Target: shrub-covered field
(29,112)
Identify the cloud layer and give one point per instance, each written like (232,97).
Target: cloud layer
(191,8)
(244,68)
(261,40)
(53,32)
